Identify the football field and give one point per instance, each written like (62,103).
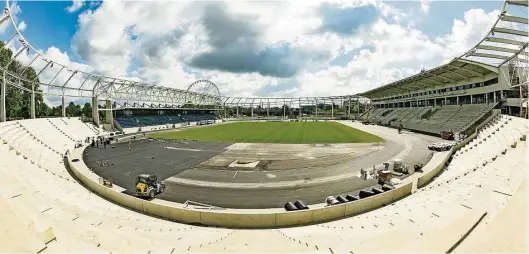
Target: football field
(275,132)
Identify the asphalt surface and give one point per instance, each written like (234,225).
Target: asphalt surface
(151,156)
(263,198)
(122,165)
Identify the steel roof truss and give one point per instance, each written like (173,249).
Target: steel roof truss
(500,49)
(487,55)
(450,79)
(518,2)
(474,73)
(504,41)
(514,19)
(510,31)
(454,72)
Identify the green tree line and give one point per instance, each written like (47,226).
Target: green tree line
(18,102)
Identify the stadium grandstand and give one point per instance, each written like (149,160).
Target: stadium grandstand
(471,197)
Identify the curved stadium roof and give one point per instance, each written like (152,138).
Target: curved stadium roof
(507,40)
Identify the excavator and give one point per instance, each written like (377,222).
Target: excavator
(147,185)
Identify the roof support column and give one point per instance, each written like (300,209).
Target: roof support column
(342,106)
(3,116)
(316,108)
(299,107)
(358,104)
(95,111)
(284,111)
(109,114)
(494,96)
(349,109)
(63,104)
(290,112)
(33,101)
(251,111)
(332,108)
(237,110)
(471,102)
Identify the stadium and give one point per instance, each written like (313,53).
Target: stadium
(432,163)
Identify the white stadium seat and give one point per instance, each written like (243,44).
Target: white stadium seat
(50,212)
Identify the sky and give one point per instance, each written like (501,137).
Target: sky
(256,48)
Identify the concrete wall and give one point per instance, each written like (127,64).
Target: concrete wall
(236,218)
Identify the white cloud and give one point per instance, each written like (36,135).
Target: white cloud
(155,41)
(467,32)
(76,5)
(15,11)
(21,26)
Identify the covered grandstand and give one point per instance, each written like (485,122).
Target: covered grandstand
(128,118)
(493,75)
(464,200)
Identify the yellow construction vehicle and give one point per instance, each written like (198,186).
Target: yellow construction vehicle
(147,185)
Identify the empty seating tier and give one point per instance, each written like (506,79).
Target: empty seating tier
(126,121)
(454,118)
(43,209)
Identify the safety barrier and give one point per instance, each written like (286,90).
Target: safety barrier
(235,218)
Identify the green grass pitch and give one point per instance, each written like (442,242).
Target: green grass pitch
(275,132)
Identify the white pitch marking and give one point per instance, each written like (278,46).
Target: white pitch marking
(184,149)
(235,174)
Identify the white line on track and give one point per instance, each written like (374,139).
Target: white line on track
(235,174)
(184,149)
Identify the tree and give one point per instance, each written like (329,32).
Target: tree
(73,110)
(42,109)
(18,101)
(87,110)
(56,111)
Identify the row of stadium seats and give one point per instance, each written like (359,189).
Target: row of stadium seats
(153,120)
(490,142)
(41,201)
(455,118)
(433,218)
(47,197)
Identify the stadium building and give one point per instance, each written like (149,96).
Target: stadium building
(435,162)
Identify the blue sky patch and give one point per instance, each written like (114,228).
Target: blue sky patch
(439,19)
(346,21)
(49,24)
